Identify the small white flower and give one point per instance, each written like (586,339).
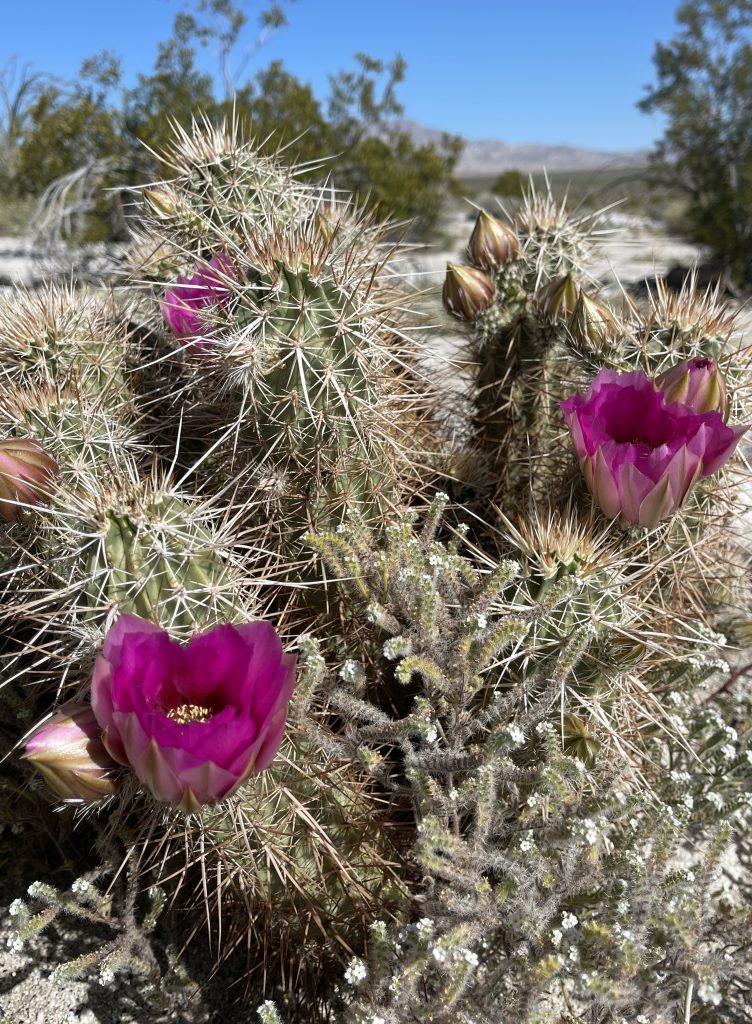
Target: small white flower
(469,956)
(439,954)
(15,908)
(424,927)
(431,735)
(516,735)
(81,885)
(356,972)
(106,976)
(728,752)
(556,937)
(527,844)
(708,993)
(34,889)
(569,920)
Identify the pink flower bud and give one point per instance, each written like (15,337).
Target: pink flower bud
(697,383)
(467,291)
(26,473)
(492,243)
(68,751)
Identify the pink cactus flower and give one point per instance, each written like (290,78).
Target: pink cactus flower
(639,454)
(183,303)
(192,722)
(697,383)
(68,751)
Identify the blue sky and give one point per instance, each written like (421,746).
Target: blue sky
(552,71)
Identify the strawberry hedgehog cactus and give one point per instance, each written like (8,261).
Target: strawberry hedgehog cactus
(392,757)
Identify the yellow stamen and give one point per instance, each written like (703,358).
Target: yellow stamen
(187,713)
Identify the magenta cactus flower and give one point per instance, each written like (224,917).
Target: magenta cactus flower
(69,753)
(640,455)
(183,303)
(697,383)
(194,721)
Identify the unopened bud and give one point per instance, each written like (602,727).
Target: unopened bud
(162,202)
(69,753)
(467,291)
(557,299)
(492,243)
(26,474)
(591,324)
(697,383)
(579,741)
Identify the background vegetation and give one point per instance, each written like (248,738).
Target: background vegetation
(96,130)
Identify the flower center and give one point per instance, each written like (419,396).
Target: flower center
(185,714)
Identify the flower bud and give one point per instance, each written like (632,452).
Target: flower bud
(579,741)
(492,243)
(697,383)
(591,324)
(68,751)
(163,203)
(557,299)
(467,291)
(26,473)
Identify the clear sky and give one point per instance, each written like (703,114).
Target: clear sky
(551,71)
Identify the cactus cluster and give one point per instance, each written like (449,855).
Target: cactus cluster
(515,756)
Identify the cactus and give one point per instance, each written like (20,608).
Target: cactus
(300,378)
(514,727)
(56,335)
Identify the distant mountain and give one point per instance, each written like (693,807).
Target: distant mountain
(484,157)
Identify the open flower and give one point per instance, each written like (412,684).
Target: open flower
(68,751)
(192,722)
(183,303)
(639,454)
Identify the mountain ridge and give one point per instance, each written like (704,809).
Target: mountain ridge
(483,157)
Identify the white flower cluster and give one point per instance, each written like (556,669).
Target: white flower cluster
(81,885)
(396,647)
(268,1013)
(527,844)
(590,831)
(356,972)
(708,992)
(16,907)
(106,976)
(516,735)
(352,672)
